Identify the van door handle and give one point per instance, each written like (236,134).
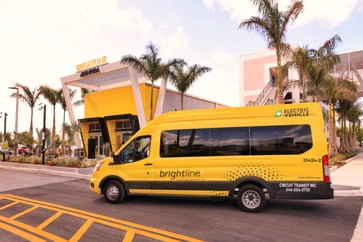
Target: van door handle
(148,164)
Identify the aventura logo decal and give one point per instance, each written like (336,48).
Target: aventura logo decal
(292,112)
(173,174)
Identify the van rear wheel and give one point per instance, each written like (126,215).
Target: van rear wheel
(114,191)
(250,198)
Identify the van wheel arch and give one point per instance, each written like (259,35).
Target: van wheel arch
(251,180)
(109,178)
(251,194)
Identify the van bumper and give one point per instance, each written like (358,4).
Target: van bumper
(301,190)
(94,185)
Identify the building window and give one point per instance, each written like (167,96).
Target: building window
(94,127)
(123,124)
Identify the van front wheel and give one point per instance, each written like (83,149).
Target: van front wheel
(114,191)
(250,198)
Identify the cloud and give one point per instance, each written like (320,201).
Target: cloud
(173,43)
(224,66)
(330,13)
(43,40)
(42,30)
(222,57)
(238,10)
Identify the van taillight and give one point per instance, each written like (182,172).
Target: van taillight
(326,169)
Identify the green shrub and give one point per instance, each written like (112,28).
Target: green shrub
(340,159)
(65,161)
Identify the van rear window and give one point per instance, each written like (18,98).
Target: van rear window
(262,140)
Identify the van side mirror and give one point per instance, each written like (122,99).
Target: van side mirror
(116,158)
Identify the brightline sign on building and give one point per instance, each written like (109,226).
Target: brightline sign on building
(92,63)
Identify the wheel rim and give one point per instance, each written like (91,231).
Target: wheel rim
(251,199)
(113,192)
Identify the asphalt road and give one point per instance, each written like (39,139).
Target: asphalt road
(206,220)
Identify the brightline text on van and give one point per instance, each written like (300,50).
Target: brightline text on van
(179,173)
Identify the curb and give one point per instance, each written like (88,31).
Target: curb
(349,193)
(84,173)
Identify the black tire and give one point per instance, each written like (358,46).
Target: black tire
(114,191)
(250,198)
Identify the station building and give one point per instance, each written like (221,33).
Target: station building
(118,104)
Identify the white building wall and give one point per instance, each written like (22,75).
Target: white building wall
(172,102)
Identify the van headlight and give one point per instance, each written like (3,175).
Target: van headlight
(98,166)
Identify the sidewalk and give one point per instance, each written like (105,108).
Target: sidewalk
(348,181)
(84,173)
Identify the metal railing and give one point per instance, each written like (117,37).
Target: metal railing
(261,99)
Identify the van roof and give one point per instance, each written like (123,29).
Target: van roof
(270,111)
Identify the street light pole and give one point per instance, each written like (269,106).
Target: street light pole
(17,107)
(5,115)
(16,117)
(43,133)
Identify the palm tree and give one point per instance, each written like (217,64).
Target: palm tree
(314,65)
(273,26)
(51,95)
(331,92)
(354,115)
(150,64)
(39,133)
(320,63)
(70,130)
(316,75)
(84,91)
(63,103)
(345,104)
(325,56)
(334,89)
(302,61)
(29,97)
(183,76)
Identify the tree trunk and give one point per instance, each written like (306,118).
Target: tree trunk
(182,101)
(31,122)
(152,100)
(63,133)
(352,137)
(53,128)
(303,89)
(345,144)
(280,89)
(335,146)
(330,129)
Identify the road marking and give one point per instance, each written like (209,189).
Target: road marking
(13,225)
(20,233)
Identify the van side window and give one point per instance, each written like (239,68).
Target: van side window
(204,142)
(230,141)
(276,140)
(261,140)
(188,142)
(138,149)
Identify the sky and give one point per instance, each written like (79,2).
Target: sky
(43,40)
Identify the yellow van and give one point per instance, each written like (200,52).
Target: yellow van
(248,153)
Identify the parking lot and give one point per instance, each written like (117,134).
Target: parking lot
(39,221)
